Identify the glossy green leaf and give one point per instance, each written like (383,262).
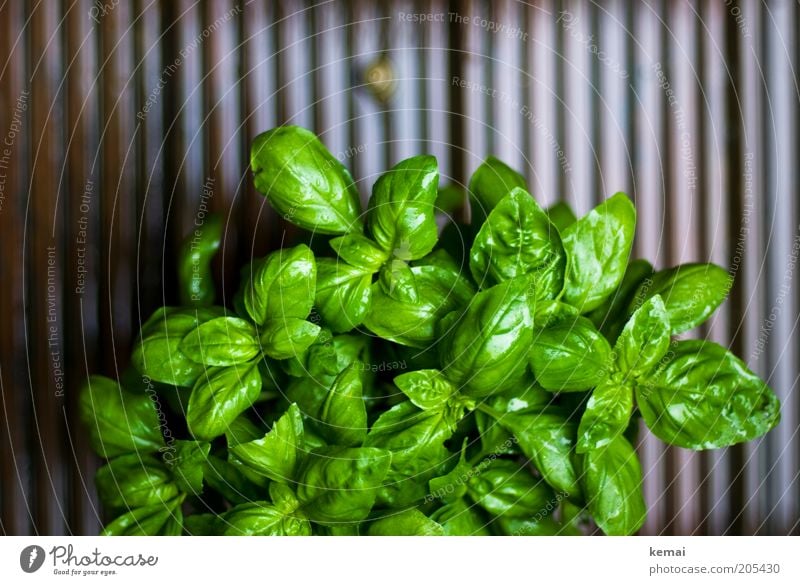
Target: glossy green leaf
(401,216)
(704,397)
(561,215)
(344,414)
(264,519)
(612,483)
(517,239)
(134,481)
(598,246)
(223,341)
(644,339)
(691,293)
(407,523)
(194,261)
(187,464)
(415,439)
(157,354)
(397,281)
(485,351)
(287,337)
(340,484)
(547,438)
(490,182)
(413,324)
(219,396)
(279,453)
(426,388)
(503,488)
(118,421)
(343,293)
(606,417)
(360,251)
(611,316)
(281,285)
(303,181)
(461,519)
(164,519)
(570,356)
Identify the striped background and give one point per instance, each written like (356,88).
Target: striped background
(115,114)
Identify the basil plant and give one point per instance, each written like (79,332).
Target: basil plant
(380,376)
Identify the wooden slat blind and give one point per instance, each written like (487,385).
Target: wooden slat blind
(116,121)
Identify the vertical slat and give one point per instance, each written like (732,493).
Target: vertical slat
(404,44)
(81,177)
(367,121)
(334,76)
(715,167)
(221,84)
(683,216)
(475,146)
(543,104)
(505,122)
(782,258)
(612,107)
(44,256)
(575,63)
(748,291)
(436,49)
(16,457)
(260,114)
(151,185)
(295,55)
(648,191)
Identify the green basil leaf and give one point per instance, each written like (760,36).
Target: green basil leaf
(263,519)
(547,438)
(401,214)
(517,239)
(242,430)
(343,293)
(203,525)
(219,396)
(407,523)
(606,416)
(598,246)
(398,283)
(571,356)
(194,261)
(612,315)
(453,485)
(413,324)
(612,483)
(561,215)
(304,181)
(164,519)
(415,439)
(340,484)
(358,250)
(503,488)
(288,338)
(426,388)
(231,481)
(691,293)
(134,481)
(484,352)
(283,497)
(459,519)
(282,285)
(344,415)
(704,397)
(319,360)
(450,199)
(187,464)
(279,453)
(551,313)
(223,341)
(157,354)
(645,338)
(118,421)
(490,182)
